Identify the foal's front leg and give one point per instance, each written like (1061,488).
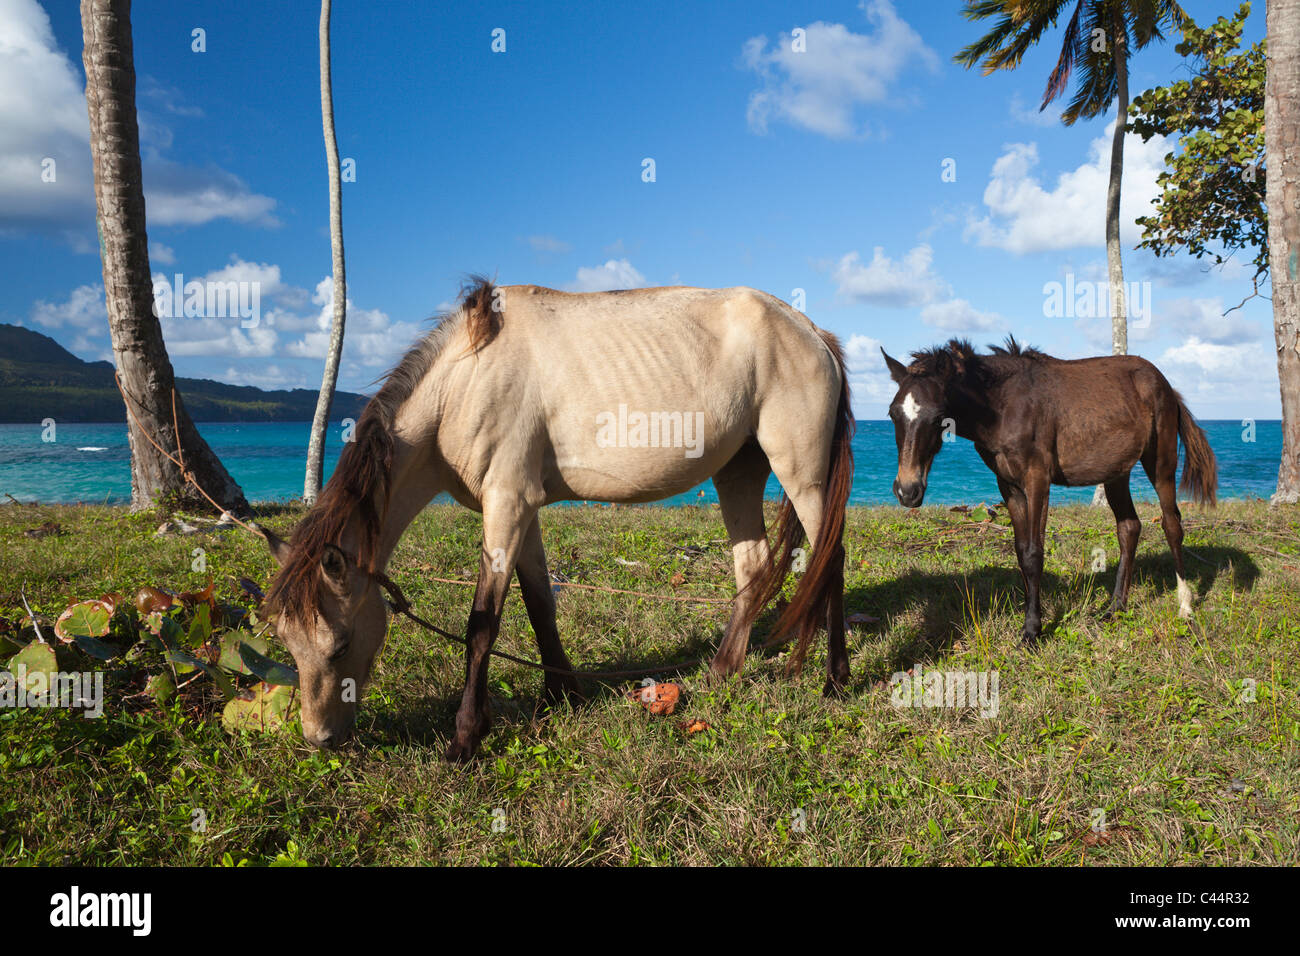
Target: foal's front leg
(505,519)
(1028,509)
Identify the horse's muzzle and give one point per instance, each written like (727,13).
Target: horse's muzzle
(911,494)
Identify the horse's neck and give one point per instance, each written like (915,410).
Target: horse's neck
(973,414)
(413,484)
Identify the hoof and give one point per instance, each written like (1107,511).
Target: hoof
(719,673)
(461,751)
(1030,635)
(834,689)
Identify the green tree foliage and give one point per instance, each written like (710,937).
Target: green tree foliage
(1212,198)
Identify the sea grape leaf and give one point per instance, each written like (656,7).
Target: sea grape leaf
(230,657)
(262,667)
(271,707)
(83,619)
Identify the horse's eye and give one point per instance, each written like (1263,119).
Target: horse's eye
(340,650)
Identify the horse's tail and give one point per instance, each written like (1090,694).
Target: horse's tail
(825,569)
(1200,468)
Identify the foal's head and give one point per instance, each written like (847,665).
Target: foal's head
(917,411)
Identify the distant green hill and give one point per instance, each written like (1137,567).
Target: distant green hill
(40,379)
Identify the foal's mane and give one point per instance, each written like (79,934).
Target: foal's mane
(958,360)
(360,483)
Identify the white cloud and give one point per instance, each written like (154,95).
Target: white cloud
(371,340)
(869,380)
(43,116)
(84,308)
(180,195)
(1205,319)
(908,281)
(958,315)
(1024,216)
(1223,375)
(270,377)
(820,88)
(614,274)
(162,254)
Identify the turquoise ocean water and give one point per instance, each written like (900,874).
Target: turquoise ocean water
(90,463)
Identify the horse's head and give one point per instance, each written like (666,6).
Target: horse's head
(330,614)
(918,412)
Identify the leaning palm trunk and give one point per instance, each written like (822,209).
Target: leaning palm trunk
(1282,146)
(155,413)
(316,445)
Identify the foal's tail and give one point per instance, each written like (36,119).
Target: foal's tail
(1200,468)
(824,571)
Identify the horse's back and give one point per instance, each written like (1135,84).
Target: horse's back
(634,395)
(1097,414)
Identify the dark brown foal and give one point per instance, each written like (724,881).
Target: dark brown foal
(1037,421)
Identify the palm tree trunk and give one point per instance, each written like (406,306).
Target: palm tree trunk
(316,445)
(138,348)
(1282,151)
(1114,261)
(1114,254)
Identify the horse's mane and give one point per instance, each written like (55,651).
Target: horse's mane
(360,482)
(958,359)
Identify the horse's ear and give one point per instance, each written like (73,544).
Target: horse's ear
(334,565)
(896,368)
(279,547)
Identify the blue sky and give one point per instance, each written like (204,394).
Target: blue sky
(819,170)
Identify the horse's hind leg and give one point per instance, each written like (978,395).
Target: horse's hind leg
(1161,466)
(506,517)
(539,599)
(740,486)
(1128,528)
(808,497)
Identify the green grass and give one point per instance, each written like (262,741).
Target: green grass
(1146,718)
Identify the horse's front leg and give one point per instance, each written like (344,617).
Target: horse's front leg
(505,520)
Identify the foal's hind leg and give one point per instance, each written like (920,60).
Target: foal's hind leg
(539,599)
(1161,466)
(1128,528)
(740,486)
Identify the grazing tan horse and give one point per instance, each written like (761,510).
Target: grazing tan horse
(1039,421)
(523,396)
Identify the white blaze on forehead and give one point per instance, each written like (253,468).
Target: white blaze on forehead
(910,408)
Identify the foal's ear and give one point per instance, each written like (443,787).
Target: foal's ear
(279,547)
(896,368)
(334,565)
